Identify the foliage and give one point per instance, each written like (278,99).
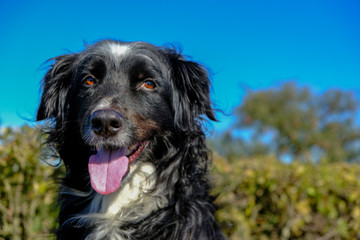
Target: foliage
(259,197)
(302,125)
(262,198)
(27,188)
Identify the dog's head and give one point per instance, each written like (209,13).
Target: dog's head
(114,98)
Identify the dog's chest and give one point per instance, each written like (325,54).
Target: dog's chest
(133,193)
(130,204)
(140,180)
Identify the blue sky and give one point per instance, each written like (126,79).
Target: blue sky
(246,44)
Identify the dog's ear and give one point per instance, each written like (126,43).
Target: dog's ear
(55,87)
(191,95)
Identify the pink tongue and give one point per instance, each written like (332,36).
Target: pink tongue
(107,168)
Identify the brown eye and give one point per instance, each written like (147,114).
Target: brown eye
(89,81)
(148,84)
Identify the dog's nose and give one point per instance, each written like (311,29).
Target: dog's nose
(106,122)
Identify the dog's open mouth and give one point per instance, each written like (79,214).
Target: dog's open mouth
(108,166)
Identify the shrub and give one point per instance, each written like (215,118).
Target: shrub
(27,188)
(262,198)
(259,197)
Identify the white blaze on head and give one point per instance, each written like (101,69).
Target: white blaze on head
(118,50)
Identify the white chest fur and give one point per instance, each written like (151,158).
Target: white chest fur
(139,181)
(133,201)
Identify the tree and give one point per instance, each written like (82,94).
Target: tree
(295,122)
(234,148)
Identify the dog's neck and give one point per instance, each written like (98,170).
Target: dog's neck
(133,202)
(135,191)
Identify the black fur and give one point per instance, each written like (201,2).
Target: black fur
(169,118)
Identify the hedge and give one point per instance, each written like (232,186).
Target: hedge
(27,188)
(258,198)
(263,198)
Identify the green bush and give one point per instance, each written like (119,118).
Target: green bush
(262,198)
(27,189)
(259,198)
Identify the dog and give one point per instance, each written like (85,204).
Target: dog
(127,120)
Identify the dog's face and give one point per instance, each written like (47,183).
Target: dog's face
(118,98)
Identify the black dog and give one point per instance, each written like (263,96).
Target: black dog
(126,119)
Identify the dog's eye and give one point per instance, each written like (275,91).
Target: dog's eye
(149,84)
(89,81)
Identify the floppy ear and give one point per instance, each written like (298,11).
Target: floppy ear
(191,95)
(55,86)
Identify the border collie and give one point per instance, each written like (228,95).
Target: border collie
(126,118)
